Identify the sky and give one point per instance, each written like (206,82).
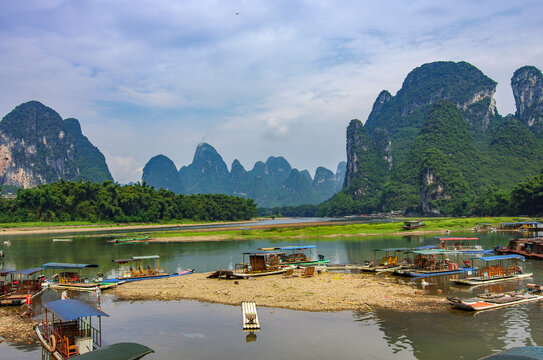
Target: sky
(252,78)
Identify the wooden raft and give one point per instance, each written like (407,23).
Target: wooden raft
(250,317)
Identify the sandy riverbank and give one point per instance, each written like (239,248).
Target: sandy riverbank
(329,291)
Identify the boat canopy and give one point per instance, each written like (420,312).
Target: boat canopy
(28,271)
(455,238)
(499,257)
(54,265)
(435,252)
(297,247)
(146,257)
(288,248)
(120,351)
(425,247)
(264,253)
(4,272)
(71,309)
(135,258)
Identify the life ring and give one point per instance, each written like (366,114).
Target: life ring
(52,343)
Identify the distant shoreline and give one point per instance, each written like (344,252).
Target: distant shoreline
(250,230)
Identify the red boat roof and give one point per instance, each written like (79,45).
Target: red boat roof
(455,238)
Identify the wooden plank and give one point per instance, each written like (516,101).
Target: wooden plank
(249,316)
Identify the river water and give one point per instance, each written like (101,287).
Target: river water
(194,330)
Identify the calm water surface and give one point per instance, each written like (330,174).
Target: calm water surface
(193,330)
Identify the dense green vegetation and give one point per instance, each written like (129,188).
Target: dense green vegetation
(88,159)
(86,201)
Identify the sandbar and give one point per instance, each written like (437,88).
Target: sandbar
(329,291)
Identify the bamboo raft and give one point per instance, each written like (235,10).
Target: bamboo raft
(250,317)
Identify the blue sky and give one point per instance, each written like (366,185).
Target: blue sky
(281,78)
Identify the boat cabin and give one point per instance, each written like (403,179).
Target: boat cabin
(412,224)
(434,260)
(499,265)
(260,262)
(463,244)
(296,255)
(15,285)
(532,248)
(71,277)
(139,267)
(68,329)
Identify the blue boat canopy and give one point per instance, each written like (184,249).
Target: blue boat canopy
(499,257)
(54,265)
(71,309)
(28,271)
(4,272)
(297,247)
(120,351)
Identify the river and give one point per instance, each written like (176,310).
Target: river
(193,330)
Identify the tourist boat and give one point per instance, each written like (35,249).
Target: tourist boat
(412,224)
(67,329)
(530,248)
(21,284)
(464,245)
(71,279)
(295,255)
(496,300)
(433,262)
(499,272)
(390,261)
(260,264)
(134,269)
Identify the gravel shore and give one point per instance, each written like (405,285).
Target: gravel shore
(15,329)
(328,291)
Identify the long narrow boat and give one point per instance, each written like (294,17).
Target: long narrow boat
(492,301)
(71,279)
(130,240)
(296,255)
(391,260)
(433,262)
(134,269)
(490,273)
(465,245)
(22,283)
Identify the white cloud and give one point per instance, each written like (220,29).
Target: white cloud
(145,80)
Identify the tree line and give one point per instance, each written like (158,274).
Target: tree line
(112,202)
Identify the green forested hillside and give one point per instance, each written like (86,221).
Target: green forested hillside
(68,201)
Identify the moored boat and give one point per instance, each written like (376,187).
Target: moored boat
(412,224)
(465,245)
(433,262)
(530,248)
(134,269)
(72,279)
(490,301)
(495,269)
(260,264)
(296,255)
(391,260)
(21,284)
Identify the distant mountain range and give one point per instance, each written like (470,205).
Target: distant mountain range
(440,142)
(38,147)
(271,183)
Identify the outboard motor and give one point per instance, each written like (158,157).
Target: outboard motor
(321,257)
